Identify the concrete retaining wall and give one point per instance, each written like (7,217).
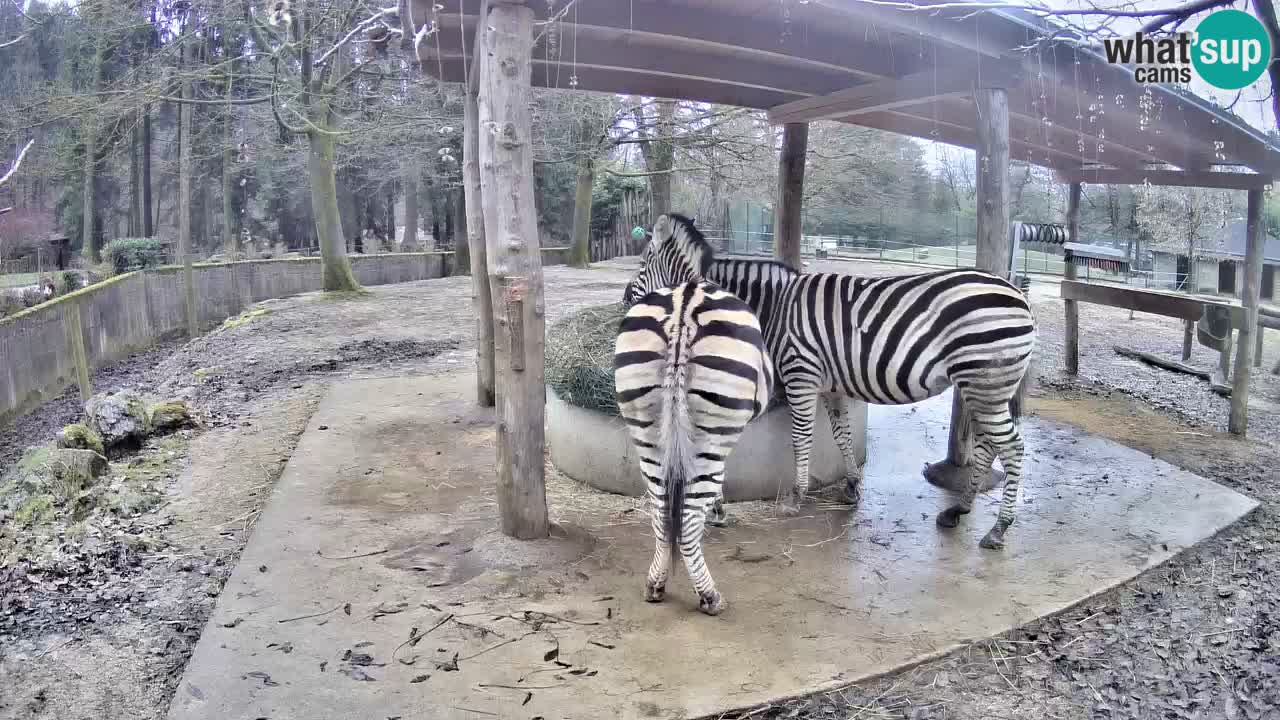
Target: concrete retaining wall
(130,312)
(596,449)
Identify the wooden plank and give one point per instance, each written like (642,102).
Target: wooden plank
(515,268)
(1238,422)
(1176,178)
(1183,307)
(787,230)
(897,92)
(1071,348)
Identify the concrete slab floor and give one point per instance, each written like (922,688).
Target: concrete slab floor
(381,531)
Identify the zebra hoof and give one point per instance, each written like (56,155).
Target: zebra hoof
(853,493)
(713,603)
(950,517)
(655,593)
(717,517)
(993,540)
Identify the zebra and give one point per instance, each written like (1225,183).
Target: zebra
(691,370)
(886,341)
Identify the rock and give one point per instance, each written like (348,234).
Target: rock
(169,415)
(118,418)
(47,478)
(78,436)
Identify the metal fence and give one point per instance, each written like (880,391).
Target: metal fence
(910,250)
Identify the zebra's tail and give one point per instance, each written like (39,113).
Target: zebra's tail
(677,432)
(1020,395)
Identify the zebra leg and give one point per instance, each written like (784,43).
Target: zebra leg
(655,587)
(1005,435)
(838,411)
(717,516)
(979,467)
(710,601)
(803,398)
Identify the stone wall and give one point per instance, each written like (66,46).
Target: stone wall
(131,312)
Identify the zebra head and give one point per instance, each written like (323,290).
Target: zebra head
(677,253)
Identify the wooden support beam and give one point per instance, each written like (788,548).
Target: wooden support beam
(890,93)
(481,294)
(994,252)
(787,219)
(1156,302)
(515,266)
(1176,178)
(1071,349)
(1238,423)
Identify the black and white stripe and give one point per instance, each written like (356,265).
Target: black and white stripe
(891,341)
(691,370)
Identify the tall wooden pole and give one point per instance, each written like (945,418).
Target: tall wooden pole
(481,298)
(786,221)
(994,253)
(1238,422)
(1072,345)
(515,265)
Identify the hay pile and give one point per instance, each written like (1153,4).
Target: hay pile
(579,365)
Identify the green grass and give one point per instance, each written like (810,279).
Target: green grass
(19,279)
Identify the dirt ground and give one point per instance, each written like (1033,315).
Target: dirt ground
(1196,638)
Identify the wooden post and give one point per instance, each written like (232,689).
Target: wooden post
(1071,346)
(481,296)
(994,254)
(1257,347)
(184,206)
(786,221)
(74,327)
(1238,422)
(1188,336)
(515,267)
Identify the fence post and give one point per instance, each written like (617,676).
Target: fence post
(73,325)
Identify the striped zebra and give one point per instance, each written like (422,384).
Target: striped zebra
(691,370)
(886,341)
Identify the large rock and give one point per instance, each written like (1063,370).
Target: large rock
(169,415)
(78,436)
(118,418)
(47,478)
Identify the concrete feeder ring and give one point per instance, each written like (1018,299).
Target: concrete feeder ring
(594,448)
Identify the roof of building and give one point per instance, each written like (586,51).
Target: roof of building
(871,64)
(1232,243)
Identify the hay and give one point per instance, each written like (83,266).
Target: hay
(579,357)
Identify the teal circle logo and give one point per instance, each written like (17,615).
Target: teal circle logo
(1232,49)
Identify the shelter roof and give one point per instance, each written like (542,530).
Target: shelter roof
(906,71)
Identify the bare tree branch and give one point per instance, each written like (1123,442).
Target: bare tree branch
(16,163)
(1267,12)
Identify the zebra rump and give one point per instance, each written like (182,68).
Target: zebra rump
(691,370)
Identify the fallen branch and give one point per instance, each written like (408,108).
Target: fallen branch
(1215,383)
(16,163)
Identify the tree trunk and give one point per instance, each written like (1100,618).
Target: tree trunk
(515,267)
(481,297)
(787,220)
(659,156)
(461,247)
(581,254)
(135,190)
(993,255)
(409,179)
(148,222)
(324,207)
(89,239)
(184,204)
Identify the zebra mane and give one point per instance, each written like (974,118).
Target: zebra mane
(689,242)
